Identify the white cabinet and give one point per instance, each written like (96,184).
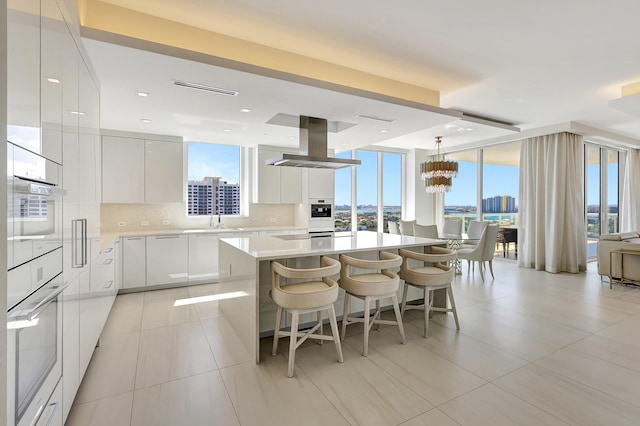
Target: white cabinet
(163,172)
(135,170)
(276,184)
(167,259)
(122,170)
(134,262)
(70,344)
(203,257)
(321,183)
(52,414)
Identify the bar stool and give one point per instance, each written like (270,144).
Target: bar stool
(301,298)
(429,278)
(370,287)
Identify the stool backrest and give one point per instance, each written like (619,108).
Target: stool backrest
(328,267)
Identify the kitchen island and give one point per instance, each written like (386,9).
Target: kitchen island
(245,275)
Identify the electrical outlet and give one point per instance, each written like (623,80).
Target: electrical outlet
(166,222)
(144,223)
(272,219)
(122,223)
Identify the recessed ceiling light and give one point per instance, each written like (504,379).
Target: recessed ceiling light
(78,113)
(53,80)
(344,144)
(145,120)
(226,130)
(450,126)
(246,110)
(292,137)
(384,131)
(469,129)
(142,94)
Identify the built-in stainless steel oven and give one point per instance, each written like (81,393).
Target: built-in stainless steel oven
(34,355)
(321,217)
(34,206)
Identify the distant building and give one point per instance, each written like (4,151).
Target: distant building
(213,196)
(499,204)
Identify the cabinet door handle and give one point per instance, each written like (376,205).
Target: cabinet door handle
(107,262)
(108,284)
(108,250)
(133,238)
(167,237)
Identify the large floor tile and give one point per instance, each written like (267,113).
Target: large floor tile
(111,411)
(160,310)
(125,315)
(566,399)
(358,388)
(479,358)
(616,380)
(492,406)
(224,342)
(624,353)
(112,369)
(433,417)
(173,352)
(264,395)
(205,309)
(195,400)
(521,335)
(432,377)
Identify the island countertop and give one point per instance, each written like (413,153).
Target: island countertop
(266,247)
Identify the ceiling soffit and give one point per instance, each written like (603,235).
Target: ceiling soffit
(113,24)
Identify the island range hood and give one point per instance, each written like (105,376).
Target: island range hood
(313,150)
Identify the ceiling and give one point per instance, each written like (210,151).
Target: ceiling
(532,65)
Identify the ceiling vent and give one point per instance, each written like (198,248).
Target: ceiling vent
(218,90)
(373,117)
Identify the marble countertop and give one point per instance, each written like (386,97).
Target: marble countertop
(267,247)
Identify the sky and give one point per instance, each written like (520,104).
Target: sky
(213,160)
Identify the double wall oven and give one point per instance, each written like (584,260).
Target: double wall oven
(34,285)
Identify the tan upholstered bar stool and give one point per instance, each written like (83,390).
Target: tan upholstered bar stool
(369,287)
(316,295)
(433,275)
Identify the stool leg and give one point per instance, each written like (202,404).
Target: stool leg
(405,290)
(377,314)
(365,349)
(453,307)
(425,296)
(274,350)
(320,341)
(396,308)
(491,268)
(345,315)
(293,339)
(334,331)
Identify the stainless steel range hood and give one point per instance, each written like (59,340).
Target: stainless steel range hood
(313,151)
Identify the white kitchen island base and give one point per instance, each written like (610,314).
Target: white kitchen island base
(245,277)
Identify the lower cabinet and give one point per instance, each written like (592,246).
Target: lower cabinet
(71,343)
(203,257)
(134,262)
(52,414)
(167,259)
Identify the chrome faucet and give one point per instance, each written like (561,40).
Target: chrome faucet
(213,224)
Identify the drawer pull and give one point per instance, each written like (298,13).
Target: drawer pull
(109,250)
(107,262)
(167,237)
(108,284)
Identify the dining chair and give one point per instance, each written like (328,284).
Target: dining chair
(393,227)
(452,226)
(425,231)
(474,232)
(406,227)
(483,251)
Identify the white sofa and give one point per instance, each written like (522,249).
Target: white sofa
(628,241)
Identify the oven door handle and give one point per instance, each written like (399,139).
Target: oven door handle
(32,314)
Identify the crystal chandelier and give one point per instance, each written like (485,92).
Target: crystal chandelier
(437,174)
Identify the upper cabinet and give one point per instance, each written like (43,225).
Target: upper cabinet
(136,170)
(321,183)
(273,184)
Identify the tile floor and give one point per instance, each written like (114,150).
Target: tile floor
(534,348)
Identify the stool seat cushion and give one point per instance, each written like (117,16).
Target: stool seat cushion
(370,284)
(307,295)
(428,275)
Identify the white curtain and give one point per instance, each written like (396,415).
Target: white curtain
(552,230)
(630,200)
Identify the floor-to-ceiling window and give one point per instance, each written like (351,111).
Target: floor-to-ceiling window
(376,197)
(500,175)
(602,187)
(462,201)
(343,195)
(391,188)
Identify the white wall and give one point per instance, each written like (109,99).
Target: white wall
(3,205)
